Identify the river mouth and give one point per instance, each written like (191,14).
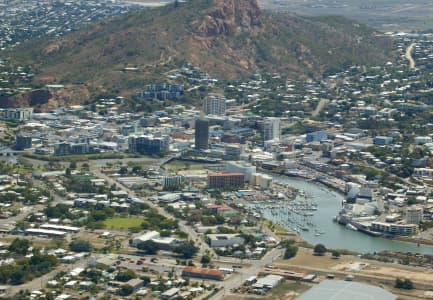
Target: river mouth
(322,229)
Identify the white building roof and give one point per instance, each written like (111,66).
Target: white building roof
(343,290)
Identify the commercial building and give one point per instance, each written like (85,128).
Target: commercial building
(233,151)
(145,237)
(60,227)
(382,140)
(421,140)
(202,273)
(62,149)
(172,182)
(17,114)
(226,180)
(343,290)
(414,215)
(241,167)
(201,134)
(214,104)
(423,172)
(394,229)
(80,148)
(149,144)
(170,293)
(271,129)
(263,181)
(23,142)
(316,136)
(224,240)
(268,282)
(45,232)
(162,92)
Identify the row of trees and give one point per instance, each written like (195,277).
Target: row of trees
(185,249)
(405,284)
(25,269)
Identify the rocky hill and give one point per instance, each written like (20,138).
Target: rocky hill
(227,38)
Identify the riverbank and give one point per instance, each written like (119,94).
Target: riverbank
(410,240)
(334,187)
(339,237)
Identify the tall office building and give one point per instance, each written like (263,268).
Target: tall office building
(271,129)
(201,134)
(414,215)
(23,142)
(214,104)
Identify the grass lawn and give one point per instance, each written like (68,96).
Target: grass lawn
(306,258)
(177,165)
(123,223)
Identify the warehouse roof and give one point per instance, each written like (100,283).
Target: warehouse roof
(343,290)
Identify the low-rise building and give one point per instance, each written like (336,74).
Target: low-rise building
(224,240)
(394,229)
(203,273)
(382,140)
(145,237)
(423,172)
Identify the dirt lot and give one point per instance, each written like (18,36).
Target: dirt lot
(287,290)
(306,258)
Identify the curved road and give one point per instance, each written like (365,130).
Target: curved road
(409,57)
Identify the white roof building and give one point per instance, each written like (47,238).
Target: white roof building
(145,237)
(343,290)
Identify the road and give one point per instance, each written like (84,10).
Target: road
(203,247)
(409,56)
(321,105)
(237,279)
(40,282)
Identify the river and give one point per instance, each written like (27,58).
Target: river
(337,236)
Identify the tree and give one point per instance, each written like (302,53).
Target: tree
(406,284)
(136,169)
(205,259)
(19,246)
(149,247)
(319,249)
(85,167)
(336,254)
(80,246)
(186,249)
(73,165)
(126,290)
(126,276)
(291,252)
(123,170)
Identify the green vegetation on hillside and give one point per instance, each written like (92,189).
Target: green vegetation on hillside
(227,41)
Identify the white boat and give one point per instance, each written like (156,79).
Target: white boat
(351,227)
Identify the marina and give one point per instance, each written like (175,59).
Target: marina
(311,216)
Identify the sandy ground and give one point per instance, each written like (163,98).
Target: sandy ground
(351,264)
(306,258)
(419,276)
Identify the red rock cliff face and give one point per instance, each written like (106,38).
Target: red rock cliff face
(232,17)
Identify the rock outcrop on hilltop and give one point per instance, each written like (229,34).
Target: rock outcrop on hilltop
(232,17)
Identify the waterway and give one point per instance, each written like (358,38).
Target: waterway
(337,236)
